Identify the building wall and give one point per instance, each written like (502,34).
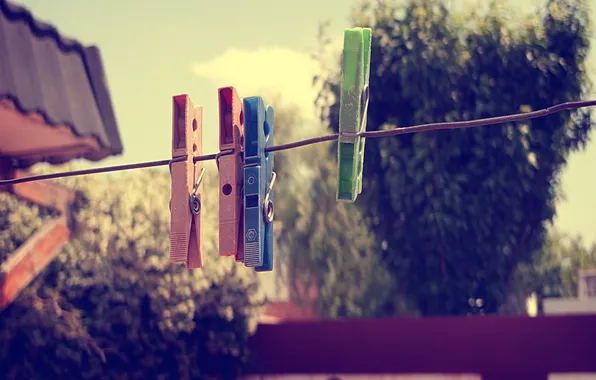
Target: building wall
(567,306)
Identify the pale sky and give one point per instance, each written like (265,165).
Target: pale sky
(155,49)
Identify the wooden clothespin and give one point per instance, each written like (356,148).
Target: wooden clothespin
(231,139)
(259,178)
(352,112)
(187,176)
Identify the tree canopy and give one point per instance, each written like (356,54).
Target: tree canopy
(455,212)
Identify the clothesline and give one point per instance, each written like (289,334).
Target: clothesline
(333,137)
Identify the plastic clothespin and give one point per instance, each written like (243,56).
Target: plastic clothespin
(230,166)
(352,112)
(259,178)
(187,177)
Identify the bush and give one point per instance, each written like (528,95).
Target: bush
(111,306)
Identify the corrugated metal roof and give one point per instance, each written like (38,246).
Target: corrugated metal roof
(57,78)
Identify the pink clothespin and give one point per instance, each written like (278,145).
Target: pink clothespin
(231,142)
(185,203)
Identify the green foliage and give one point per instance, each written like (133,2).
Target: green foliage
(111,305)
(331,247)
(18,222)
(457,211)
(322,244)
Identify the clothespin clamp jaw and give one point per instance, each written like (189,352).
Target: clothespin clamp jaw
(187,179)
(259,178)
(230,166)
(353,112)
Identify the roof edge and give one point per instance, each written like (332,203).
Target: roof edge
(47,119)
(93,63)
(101,91)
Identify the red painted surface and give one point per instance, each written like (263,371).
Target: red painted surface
(300,305)
(23,265)
(278,311)
(31,258)
(495,347)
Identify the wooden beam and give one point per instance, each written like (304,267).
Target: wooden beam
(23,265)
(43,193)
(31,258)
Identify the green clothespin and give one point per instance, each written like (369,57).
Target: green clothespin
(352,112)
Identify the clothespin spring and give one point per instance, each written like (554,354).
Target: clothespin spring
(268,208)
(195,201)
(364,100)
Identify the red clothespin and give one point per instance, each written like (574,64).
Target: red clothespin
(231,141)
(185,204)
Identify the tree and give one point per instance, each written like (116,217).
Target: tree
(111,305)
(332,249)
(457,211)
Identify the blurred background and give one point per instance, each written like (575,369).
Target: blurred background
(495,220)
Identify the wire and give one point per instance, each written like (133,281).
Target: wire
(315,140)
(480,122)
(74,173)
(444,125)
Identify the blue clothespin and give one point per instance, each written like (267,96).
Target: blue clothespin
(259,178)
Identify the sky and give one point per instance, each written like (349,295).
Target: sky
(155,49)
